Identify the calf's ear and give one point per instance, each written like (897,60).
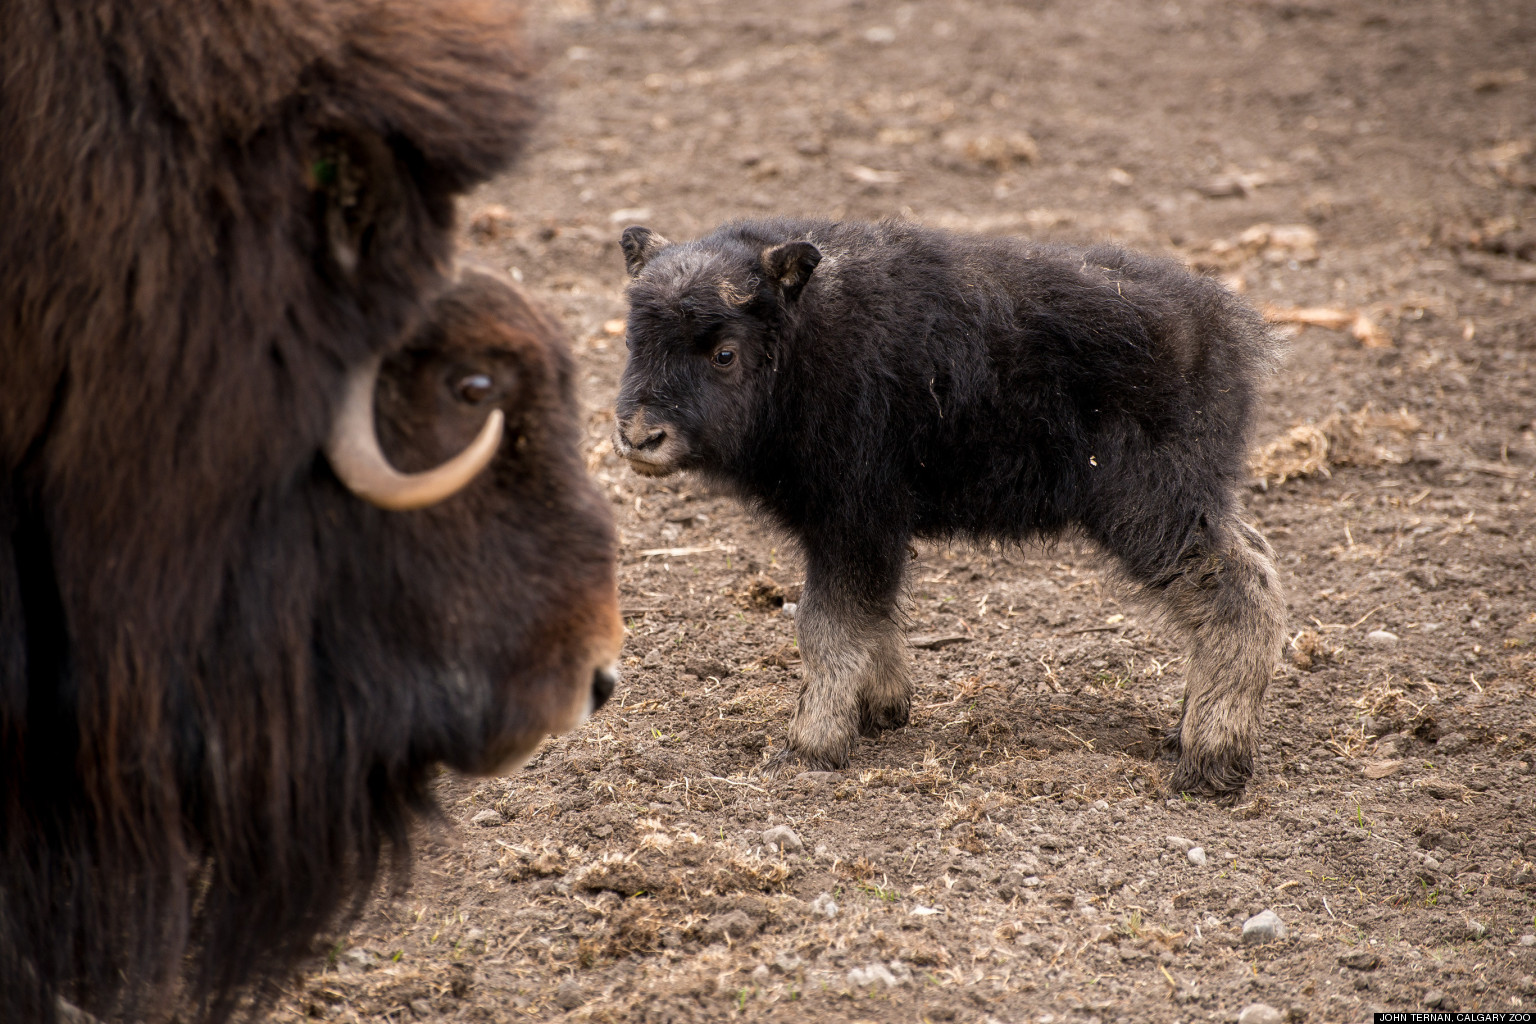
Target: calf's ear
(790,265)
(639,245)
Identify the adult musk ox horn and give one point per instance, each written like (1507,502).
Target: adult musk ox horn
(355,456)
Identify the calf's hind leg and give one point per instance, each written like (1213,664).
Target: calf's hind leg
(885,694)
(1225,596)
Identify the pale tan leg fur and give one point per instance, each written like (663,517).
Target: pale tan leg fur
(856,679)
(1228,601)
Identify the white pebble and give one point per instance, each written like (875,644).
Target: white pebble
(1196,856)
(824,905)
(863,977)
(784,838)
(1260,1013)
(1263,927)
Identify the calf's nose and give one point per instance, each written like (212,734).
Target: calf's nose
(634,433)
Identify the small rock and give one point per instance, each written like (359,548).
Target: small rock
(761,974)
(1452,743)
(1260,1013)
(1434,999)
(488,818)
(1528,940)
(784,837)
(807,779)
(1476,929)
(1360,960)
(491,223)
(1196,856)
(863,977)
(733,926)
(789,609)
(787,961)
(1381,769)
(1381,638)
(1391,745)
(1101,805)
(357,960)
(1180,843)
(1264,927)
(706,668)
(824,905)
(568,995)
(1440,789)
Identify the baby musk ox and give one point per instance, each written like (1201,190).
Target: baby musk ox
(289,512)
(865,384)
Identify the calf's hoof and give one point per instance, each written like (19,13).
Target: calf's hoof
(1170,745)
(1221,777)
(875,720)
(788,762)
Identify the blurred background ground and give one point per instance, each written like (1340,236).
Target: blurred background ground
(1365,171)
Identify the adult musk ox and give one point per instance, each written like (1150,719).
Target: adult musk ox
(288,515)
(865,384)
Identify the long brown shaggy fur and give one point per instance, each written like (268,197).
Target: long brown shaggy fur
(223,678)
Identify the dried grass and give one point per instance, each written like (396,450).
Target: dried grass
(1360,438)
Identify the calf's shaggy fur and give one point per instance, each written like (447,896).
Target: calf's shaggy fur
(863,384)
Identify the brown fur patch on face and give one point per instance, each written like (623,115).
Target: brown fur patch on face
(731,295)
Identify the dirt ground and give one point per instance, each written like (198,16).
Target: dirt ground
(1366,171)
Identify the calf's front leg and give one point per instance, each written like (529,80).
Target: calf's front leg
(856,677)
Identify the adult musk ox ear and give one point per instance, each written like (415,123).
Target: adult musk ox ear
(790,265)
(639,245)
(359,193)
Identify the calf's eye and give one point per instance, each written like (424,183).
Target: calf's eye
(724,357)
(474,388)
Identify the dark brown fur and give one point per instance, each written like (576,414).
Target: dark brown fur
(223,678)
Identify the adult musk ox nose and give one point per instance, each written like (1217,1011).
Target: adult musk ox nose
(603,682)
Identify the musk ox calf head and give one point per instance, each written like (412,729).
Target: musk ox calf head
(287,516)
(703,349)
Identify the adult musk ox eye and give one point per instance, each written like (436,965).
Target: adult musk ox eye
(474,388)
(724,357)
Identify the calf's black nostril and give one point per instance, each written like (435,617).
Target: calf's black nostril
(603,682)
(652,439)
